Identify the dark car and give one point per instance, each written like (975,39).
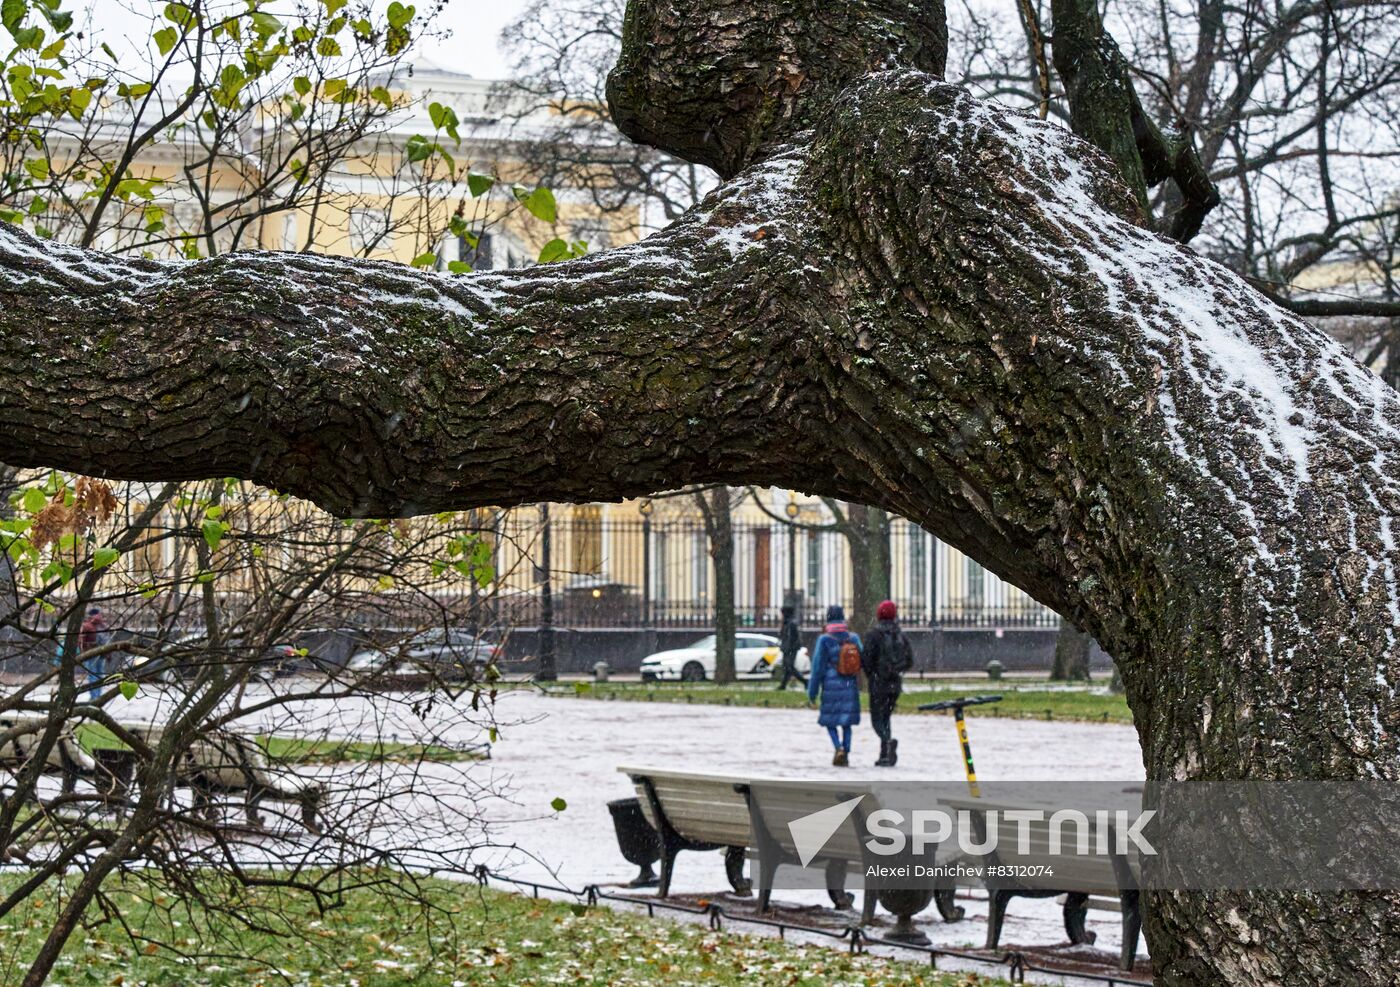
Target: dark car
(446,654)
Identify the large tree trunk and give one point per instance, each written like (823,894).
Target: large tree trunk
(1071,654)
(905,297)
(867,534)
(719,527)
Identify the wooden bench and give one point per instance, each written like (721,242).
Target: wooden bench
(1076,876)
(695,812)
(775,804)
(66,758)
(228,762)
(707,812)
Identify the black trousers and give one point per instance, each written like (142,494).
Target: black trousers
(881,706)
(790,671)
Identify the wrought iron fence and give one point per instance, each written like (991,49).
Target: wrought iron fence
(592,570)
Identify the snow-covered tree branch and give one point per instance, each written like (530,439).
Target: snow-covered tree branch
(901,296)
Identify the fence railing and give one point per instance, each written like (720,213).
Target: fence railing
(605,572)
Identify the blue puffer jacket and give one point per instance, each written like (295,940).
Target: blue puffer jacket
(840,693)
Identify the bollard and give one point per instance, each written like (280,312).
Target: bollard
(994,670)
(600,671)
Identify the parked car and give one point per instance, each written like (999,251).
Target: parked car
(755,655)
(186,656)
(434,652)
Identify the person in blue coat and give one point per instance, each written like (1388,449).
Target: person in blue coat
(840,694)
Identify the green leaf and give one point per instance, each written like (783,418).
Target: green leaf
(492,734)
(400,15)
(554,250)
(178,13)
(34,500)
(265,25)
(165,39)
(540,203)
(333,5)
(444,118)
(104,557)
(382,95)
(328,48)
(38,168)
(459,267)
(129,689)
(213,532)
(78,101)
(479,184)
(425,260)
(12,14)
(558,804)
(302,85)
(419,148)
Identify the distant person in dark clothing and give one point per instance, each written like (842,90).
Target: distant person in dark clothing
(92,634)
(886,657)
(789,643)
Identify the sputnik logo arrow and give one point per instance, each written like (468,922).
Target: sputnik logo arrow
(810,833)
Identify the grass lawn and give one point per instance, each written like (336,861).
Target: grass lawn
(307,750)
(1021,700)
(375,939)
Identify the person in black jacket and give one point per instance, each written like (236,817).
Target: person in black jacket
(789,643)
(887,656)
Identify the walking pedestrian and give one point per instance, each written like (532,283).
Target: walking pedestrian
(92,634)
(886,657)
(835,668)
(789,643)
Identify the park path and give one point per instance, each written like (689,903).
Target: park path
(549,747)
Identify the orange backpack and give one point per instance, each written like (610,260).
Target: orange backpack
(848,661)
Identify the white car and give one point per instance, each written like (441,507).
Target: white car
(755,656)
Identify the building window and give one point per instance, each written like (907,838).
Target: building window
(370,230)
(976,584)
(661,565)
(918,564)
(588,539)
(702,566)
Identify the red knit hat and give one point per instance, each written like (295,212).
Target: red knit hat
(886,611)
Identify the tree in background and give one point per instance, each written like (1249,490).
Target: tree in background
(561,54)
(716,506)
(221,130)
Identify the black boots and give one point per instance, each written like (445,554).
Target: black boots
(888,754)
(884,761)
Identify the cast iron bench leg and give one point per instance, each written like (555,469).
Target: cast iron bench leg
(1076,910)
(734,870)
(836,884)
(997,900)
(310,805)
(944,899)
(1132,925)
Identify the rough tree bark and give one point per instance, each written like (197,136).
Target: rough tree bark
(905,297)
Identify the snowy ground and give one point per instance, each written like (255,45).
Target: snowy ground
(547,748)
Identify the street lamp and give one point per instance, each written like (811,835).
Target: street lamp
(644,509)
